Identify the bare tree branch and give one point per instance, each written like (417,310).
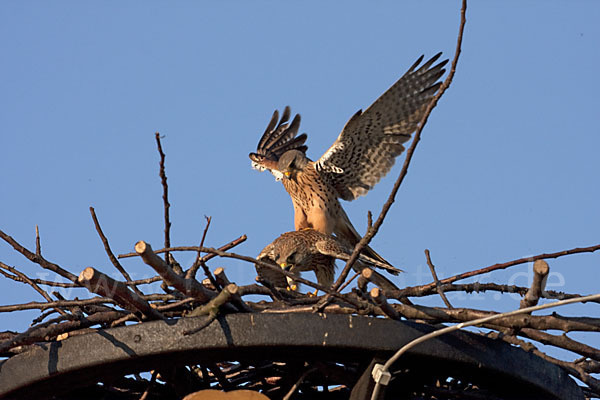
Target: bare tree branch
(166,204)
(38,259)
(438,287)
(109,252)
(97,282)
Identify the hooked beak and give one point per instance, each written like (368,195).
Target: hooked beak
(287,174)
(285,266)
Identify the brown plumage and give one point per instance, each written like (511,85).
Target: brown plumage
(362,154)
(309,250)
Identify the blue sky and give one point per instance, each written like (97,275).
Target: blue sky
(507,166)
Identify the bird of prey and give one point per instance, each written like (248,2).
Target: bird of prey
(362,154)
(309,250)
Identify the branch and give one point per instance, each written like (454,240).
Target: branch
(25,279)
(207,257)
(35,305)
(372,231)
(47,331)
(540,275)
(189,287)
(382,302)
(166,205)
(546,322)
(438,287)
(572,368)
(38,244)
(109,252)
(38,259)
(212,307)
(562,341)
(508,264)
(191,273)
(99,283)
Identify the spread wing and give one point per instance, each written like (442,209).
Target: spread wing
(277,139)
(366,148)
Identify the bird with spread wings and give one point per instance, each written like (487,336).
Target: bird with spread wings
(362,154)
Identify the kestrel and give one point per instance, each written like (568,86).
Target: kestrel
(309,250)
(362,154)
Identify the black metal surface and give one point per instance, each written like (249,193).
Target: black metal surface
(82,360)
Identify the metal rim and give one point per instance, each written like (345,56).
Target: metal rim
(85,359)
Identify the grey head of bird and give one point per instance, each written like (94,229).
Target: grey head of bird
(291,162)
(290,259)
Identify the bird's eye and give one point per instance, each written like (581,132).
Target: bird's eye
(290,258)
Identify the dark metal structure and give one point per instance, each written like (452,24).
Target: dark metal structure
(344,345)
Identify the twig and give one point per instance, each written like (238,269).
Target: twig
(109,252)
(562,341)
(38,244)
(189,287)
(50,329)
(144,281)
(42,317)
(25,279)
(33,305)
(436,280)
(38,259)
(176,304)
(166,205)
(99,283)
(41,281)
(123,319)
(508,264)
(207,257)
(540,275)
(293,389)
(417,291)
(191,273)
(572,368)
(349,281)
(212,308)
(546,322)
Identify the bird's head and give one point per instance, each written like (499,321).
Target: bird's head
(291,162)
(288,259)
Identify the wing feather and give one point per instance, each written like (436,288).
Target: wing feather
(279,137)
(369,143)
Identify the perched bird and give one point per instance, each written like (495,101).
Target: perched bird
(309,250)
(362,154)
